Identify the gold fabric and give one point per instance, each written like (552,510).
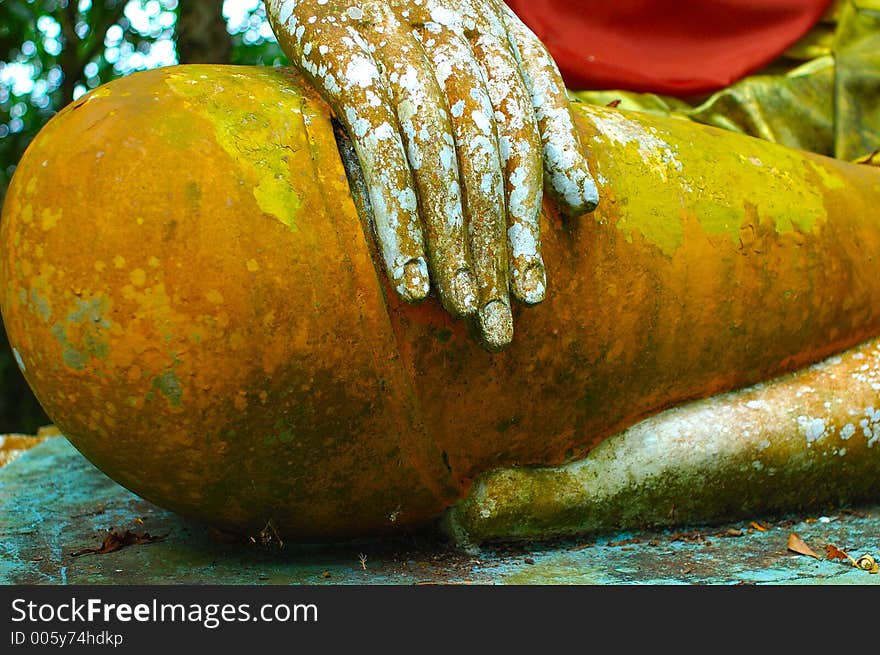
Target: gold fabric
(822,95)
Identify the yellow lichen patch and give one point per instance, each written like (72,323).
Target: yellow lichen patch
(658,177)
(214,297)
(237,340)
(118,261)
(138,277)
(260,142)
(253,266)
(152,306)
(275,197)
(50,218)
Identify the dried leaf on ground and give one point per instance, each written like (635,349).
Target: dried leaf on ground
(692,537)
(116,540)
(730,532)
(867,563)
(759,527)
(797,545)
(833,552)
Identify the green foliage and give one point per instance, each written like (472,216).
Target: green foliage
(253,43)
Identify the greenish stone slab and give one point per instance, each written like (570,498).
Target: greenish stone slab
(53,503)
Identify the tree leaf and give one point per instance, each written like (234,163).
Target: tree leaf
(797,545)
(117,540)
(833,552)
(867,563)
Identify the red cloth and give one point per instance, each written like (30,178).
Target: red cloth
(678,47)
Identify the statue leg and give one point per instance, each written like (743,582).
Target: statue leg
(805,439)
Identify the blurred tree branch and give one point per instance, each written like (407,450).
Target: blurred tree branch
(201,33)
(79,51)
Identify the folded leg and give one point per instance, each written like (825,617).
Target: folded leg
(806,439)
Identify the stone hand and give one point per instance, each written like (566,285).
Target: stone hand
(458,115)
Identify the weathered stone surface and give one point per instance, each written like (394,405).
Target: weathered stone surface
(53,502)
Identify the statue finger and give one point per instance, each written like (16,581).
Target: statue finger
(567,174)
(430,145)
(479,159)
(340,65)
(522,160)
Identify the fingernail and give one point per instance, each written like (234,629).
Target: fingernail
(496,325)
(577,191)
(531,284)
(462,290)
(590,194)
(415,284)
